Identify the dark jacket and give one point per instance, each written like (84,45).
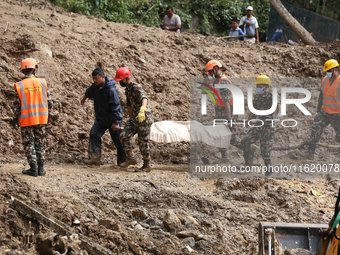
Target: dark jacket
(106,102)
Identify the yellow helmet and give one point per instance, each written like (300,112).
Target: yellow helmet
(262,79)
(330,64)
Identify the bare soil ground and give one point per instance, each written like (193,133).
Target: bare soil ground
(226,212)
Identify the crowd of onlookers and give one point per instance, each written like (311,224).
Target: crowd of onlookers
(247,26)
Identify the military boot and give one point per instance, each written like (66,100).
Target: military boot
(32,171)
(310,152)
(248,157)
(146,166)
(269,170)
(130,160)
(224,157)
(121,160)
(41,170)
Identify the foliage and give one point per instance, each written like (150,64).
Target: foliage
(213,16)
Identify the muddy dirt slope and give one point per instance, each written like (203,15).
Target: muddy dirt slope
(69,46)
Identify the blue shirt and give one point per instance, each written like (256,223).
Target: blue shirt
(236,32)
(250,30)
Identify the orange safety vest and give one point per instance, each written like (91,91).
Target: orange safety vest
(331,99)
(33,96)
(231,102)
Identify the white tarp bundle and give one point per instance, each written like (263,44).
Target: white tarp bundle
(179,131)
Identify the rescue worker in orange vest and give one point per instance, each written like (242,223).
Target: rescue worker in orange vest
(213,67)
(31,107)
(328,111)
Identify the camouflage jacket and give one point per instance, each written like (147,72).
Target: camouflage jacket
(264,102)
(17,104)
(220,111)
(134,96)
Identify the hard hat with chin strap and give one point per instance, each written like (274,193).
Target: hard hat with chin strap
(122,73)
(29,63)
(211,64)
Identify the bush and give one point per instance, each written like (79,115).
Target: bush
(214,15)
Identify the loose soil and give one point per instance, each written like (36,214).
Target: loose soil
(69,46)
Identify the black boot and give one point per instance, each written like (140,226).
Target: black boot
(32,171)
(248,157)
(310,153)
(41,170)
(269,170)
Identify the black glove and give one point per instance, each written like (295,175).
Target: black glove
(15,123)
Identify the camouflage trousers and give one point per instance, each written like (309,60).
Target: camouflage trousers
(321,121)
(266,136)
(131,128)
(34,141)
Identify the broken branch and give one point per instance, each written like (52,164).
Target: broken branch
(39,215)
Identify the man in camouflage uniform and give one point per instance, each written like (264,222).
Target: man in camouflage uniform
(32,99)
(140,120)
(328,110)
(263,100)
(223,112)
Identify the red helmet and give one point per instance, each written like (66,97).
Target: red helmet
(122,73)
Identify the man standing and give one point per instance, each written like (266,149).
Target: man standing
(109,116)
(328,111)
(264,130)
(172,22)
(251,25)
(235,31)
(31,107)
(223,112)
(140,120)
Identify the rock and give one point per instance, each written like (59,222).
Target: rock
(134,223)
(189,241)
(190,233)
(151,222)
(45,49)
(114,225)
(161,232)
(185,219)
(155,227)
(140,213)
(202,245)
(207,223)
(144,225)
(189,249)
(76,222)
(171,221)
(138,227)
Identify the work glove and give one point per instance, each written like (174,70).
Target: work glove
(279,116)
(15,123)
(141,114)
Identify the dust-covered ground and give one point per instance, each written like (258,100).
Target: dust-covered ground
(221,216)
